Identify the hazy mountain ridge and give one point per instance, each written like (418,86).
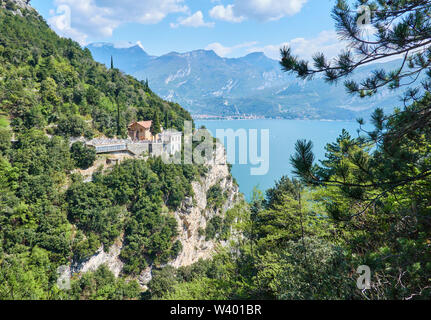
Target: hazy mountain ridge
(207,84)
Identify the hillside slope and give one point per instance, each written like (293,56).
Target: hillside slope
(46,78)
(52,221)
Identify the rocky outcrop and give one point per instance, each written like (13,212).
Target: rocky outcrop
(194,214)
(111,259)
(192,218)
(16,6)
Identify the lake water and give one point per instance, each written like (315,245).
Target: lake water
(283,136)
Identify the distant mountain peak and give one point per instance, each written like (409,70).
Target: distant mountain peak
(198,55)
(256,54)
(117,45)
(206,83)
(198,52)
(172,53)
(207,53)
(193,53)
(100,44)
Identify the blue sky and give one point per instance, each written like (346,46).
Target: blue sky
(232,28)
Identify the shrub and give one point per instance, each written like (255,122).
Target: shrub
(72,126)
(84,156)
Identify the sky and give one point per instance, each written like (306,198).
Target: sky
(232,28)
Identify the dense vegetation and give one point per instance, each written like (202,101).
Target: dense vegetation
(289,250)
(51,81)
(50,90)
(367,203)
(307,242)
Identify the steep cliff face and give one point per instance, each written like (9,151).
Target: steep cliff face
(111,259)
(195,214)
(192,218)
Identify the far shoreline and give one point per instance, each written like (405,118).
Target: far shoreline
(272,119)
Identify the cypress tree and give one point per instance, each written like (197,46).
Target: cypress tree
(166,120)
(116,94)
(155,128)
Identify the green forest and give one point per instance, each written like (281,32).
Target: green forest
(52,90)
(367,204)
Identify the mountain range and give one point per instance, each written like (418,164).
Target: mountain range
(254,85)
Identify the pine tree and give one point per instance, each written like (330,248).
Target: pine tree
(397,27)
(377,187)
(401,28)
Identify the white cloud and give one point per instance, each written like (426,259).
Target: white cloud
(268,9)
(221,12)
(196,20)
(326,42)
(147,11)
(262,10)
(223,51)
(62,24)
(80,19)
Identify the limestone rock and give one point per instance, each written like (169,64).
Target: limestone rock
(111,259)
(193,218)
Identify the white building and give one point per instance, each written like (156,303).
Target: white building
(172,141)
(168,142)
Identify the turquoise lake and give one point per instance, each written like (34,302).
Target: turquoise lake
(283,136)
